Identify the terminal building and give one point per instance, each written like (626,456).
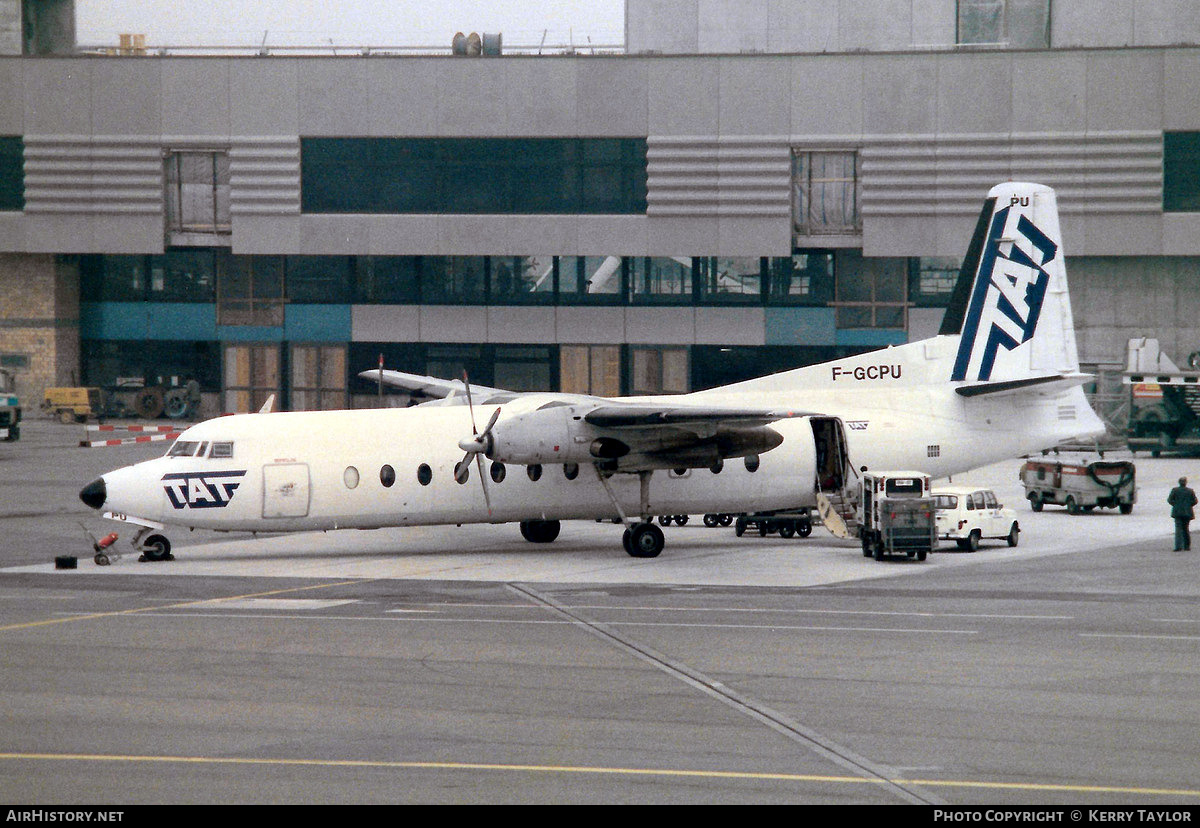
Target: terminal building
(742,186)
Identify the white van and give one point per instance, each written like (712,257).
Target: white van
(968,515)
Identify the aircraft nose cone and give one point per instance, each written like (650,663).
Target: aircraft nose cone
(94,494)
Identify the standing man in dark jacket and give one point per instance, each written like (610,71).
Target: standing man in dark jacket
(1182,500)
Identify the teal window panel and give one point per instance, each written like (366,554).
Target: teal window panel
(147,320)
(317,323)
(249,333)
(800,326)
(871,337)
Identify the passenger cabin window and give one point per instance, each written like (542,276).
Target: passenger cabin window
(222,449)
(971,502)
(989,498)
(945,502)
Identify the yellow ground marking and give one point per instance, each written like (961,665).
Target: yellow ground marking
(577,769)
(116,613)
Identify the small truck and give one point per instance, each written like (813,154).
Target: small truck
(10,409)
(1080,487)
(896,515)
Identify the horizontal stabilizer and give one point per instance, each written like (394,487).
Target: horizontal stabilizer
(1050,384)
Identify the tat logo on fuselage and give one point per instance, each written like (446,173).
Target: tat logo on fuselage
(201,490)
(1008,294)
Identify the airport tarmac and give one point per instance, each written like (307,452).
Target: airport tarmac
(464,665)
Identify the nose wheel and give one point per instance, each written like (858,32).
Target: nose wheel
(153,548)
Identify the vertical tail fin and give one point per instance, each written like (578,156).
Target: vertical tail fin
(1010,303)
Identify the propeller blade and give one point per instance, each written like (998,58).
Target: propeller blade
(483,482)
(470,405)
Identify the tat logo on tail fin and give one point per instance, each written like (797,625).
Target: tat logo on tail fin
(1008,292)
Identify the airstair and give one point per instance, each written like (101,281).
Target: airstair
(836,482)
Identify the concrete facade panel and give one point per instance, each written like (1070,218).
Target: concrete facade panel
(590,326)
(539,95)
(1123,91)
(660,326)
(1048,92)
(666,26)
(126,97)
(400,235)
(445,323)
(265,100)
(404,102)
(899,94)
(1093,23)
(606,235)
(612,96)
(1181,89)
(472,96)
(881,24)
(1122,235)
(1180,231)
(730,326)
(385,323)
(508,324)
(974,93)
(195,97)
(269,235)
(684,97)
(58,97)
(729,28)
(334,97)
(12,102)
(801,27)
(753,236)
(751,96)
(330,234)
(827,95)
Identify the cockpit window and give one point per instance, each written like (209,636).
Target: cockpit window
(183,448)
(222,449)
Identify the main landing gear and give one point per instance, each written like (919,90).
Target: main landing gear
(641,539)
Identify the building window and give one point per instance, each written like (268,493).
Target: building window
(12,173)
(183,276)
(521,176)
(1016,24)
(826,193)
(804,278)
(729,280)
(1181,172)
(251,376)
(521,280)
(935,278)
(658,370)
(453,280)
(318,279)
(590,369)
(391,280)
(660,280)
(250,290)
(318,377)
(197,193)
(591,280)
(870,292)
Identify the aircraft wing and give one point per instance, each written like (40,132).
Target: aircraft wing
(642,415)
(428,386)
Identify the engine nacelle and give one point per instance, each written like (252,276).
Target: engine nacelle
(555,434)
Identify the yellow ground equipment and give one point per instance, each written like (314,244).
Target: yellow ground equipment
(73,405)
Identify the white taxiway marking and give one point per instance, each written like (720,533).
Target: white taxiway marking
(290,604)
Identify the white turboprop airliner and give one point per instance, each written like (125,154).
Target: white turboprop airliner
(1000,379)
